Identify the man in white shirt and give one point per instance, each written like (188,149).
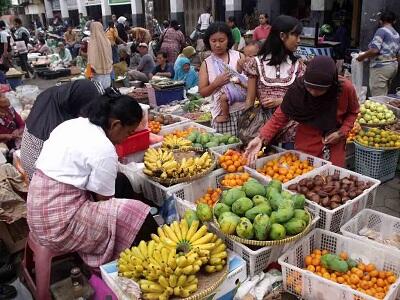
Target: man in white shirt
(205,20)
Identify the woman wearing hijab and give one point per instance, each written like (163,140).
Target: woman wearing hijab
(186,72)
(51,108)
(100,55)
(326,108)
(187,52)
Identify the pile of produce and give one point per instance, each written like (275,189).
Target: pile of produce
(373,113)
(194,103)
(210,197)
(394,127)
(261,212)
(234,179)
(209,140)
(154,126)
(330,191)
(395,103)
(174,143)
(353,132)
(167,265)
(183,133)
(365,278)
(163,119)
(163,164)
(378,138)
(199,116)
(285,167)
(232,161)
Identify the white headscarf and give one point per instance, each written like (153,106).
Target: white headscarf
(121,20)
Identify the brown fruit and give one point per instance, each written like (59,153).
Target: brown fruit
(336,198)
(334,205)
(292,187)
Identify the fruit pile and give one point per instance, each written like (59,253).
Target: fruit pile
(379,138)
(183,132)
(211,197)
(162,163)
(364,278)
(163,119)
(235,179)
(232,161)
(353,132)
(155,127)
(330,191)
(210,140)
(174,143)
(167,265)
(373,113)
(261,212)
(286,167)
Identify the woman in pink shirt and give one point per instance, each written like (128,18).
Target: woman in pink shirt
(262,31)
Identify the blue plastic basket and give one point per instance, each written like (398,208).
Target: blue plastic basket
(163,97)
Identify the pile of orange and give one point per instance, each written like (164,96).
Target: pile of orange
(364,278)
(232,161)
(211,197)
(154,126)
(185,132)
(286,167)
(235,180)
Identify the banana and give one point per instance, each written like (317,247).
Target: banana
(152,296)
(178,271)
(177,290)
(184,293)
(173,280)
(181,280)
(160,232)
(192,230)
(205,253)
(191,279)
(211,269)
(164,255)
(184,228)
(222,255)
(157,256)
(181,261)
(148,172)
(170,234)
(218,248)
(215,261)
(143,248)
(175,228)
(208,246)
(203,240)
(155,238)
(188,270)
(200,233)
(151,287)
(163,282)
(168,242)
(136,252)
(191,288)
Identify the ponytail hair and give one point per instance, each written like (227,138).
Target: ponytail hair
(113,105)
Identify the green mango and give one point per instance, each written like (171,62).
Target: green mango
(263,208)
(253,188)
(275,198)
(211,145)
(275,184)
(192,136)
(261,224)
(232,195)
(277,232)
(204,138)
(295,226)
(228,222)
(284,214)
(190,216)
(241,206)
(272,217)
(196,145)
(232,140)
(301,214)
(286,195)
(204,212)
(258,199)
(227,214)
(214,139)
(245,229)
(220,208)
(224,138)
(298,201)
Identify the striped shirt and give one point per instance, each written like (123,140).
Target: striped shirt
(387,41)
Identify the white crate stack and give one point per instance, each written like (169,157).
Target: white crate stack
(308,285)
(333,219)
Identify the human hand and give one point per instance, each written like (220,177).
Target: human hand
(271,102)
(333,138)
(252,150)
(222,79)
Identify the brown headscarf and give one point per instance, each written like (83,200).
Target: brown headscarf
(99,50)
(319,112)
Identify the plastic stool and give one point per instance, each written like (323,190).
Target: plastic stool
(39,258)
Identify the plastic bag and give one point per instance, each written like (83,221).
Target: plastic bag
(27,94)
(356,71)
(250,122)
(168,210)
(130,170)
(14,101)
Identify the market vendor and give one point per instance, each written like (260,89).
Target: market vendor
(71,205)
(41,47)
(326,107)
(186,73)
(65,54)
(51,108)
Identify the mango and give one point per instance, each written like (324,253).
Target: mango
(284,214)
(245,229)
(295,226)
(242,205)
(275,184)
(193,136)
(226,215)
(275,198)
(203,212)
(220,208)
(262,225)
(228,222)
(277,232)
(258,199)
(211,145)
(232,195)
(298,201)
(263,208)
(272,217)
(253,188)
(301,214)
(190,216)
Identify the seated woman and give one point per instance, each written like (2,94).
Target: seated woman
(11,124)
(65,54)
(70,205)
(163,68)
(41,47)
(186,73)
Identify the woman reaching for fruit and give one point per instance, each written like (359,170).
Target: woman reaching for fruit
(326,107)
(71,204)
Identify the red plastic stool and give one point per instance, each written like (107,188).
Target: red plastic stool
(39,258)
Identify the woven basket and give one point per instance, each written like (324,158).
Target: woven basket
(268,243)
(208,283)
(378,125)
(376,148)
(172,181)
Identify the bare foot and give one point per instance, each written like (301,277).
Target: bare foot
(222,118)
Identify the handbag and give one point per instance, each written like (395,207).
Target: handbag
(250,122)
(157,45)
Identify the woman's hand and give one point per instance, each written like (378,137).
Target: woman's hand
(333,138)
(271,102)
(222,79)
(252,149)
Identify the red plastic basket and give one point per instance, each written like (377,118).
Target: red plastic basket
(137,142)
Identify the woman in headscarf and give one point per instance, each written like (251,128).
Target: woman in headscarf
(100,55)
(187,52)
(122,33)
(326,107)
(173,41)
(51,108)
(186,72)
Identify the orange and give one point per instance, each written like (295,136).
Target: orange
(389,273)
(224,166)
(391,279)
(379,295)
(240,169)
(382,275)
(354,279)
(308,260)
(237,163)
(245,176)
(359,273)
(316,261)
(373,273)
(361,266)
(367,277)
(340,279)
(311,268)
(324,252)
(235,157)
(275,168)
(222,158)
(231,168)
(344,255)
(326,275)
(380,282)
(229,162)
(370,267)
(239,182)
(283,171)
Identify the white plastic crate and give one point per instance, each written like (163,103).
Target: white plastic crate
(378,164)
(333,219)
(184,126)
(182,120)
(385,225)
(308,285)
(312,160)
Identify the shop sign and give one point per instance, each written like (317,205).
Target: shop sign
(92,2)
(118,2)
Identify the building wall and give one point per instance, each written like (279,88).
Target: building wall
(193,9)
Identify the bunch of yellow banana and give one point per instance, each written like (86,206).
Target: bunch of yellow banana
(173,142)
(163,288)
(218,256)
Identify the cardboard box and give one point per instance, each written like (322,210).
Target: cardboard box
(14,235)
(237,274)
